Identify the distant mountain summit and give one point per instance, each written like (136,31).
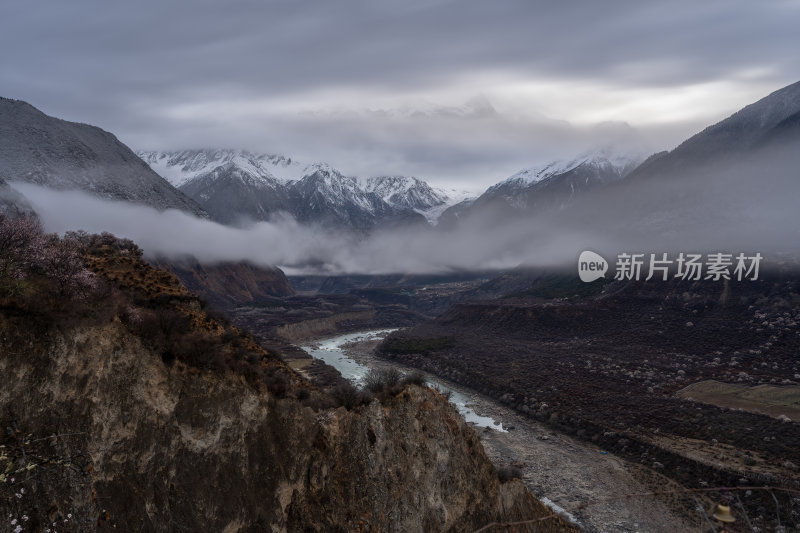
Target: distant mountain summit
(414,193)
(404,191)
(734,182)
(324,195)
(236,185)
(552,185)
(180,167)
(47,151)
(230,185)
(597,167)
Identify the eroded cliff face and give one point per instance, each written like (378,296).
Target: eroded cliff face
(229,284)
(119,439)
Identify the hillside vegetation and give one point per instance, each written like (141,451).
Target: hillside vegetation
(127,405)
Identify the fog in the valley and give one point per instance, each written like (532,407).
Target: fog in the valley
(739,207)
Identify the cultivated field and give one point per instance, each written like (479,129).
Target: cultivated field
(769,400)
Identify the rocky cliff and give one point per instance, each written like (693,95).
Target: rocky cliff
(153,448)
(114,420)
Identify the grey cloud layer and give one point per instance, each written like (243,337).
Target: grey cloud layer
(290,46)
(128,66)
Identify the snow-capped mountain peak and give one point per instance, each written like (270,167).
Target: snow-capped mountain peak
(556,182)
(414,193)
(323,170)
(237,184)
(605,157)
(529,176)
(405,191)
(181,167)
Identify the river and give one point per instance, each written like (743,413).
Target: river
(331,352)
(562,471)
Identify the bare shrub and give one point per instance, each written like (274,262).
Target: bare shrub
(199,349)
(415,377)
(348,396)
(94,244)
(507,473)
(377,381)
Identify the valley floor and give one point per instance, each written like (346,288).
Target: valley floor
(568,472)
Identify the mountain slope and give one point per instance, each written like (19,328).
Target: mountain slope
(12,203)
(732,187)
(561,179)
(750,128)
(47,151)
(234,185)
(229,194)
(552,185)
(786,131)
(228,284)
(180,167)
(327,197)
(403,191)
(143,412)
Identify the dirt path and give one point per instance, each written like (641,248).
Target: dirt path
(558,468)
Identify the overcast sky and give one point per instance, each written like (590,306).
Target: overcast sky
(461,93)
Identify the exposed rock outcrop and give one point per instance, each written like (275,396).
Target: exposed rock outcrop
(155,448)
(129,407)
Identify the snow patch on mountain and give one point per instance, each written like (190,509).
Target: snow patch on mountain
(405,191)
(323,183)
(414,193)
(597,158)
(276,182)
(181,167)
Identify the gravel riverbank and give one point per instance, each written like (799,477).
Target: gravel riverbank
(558,468)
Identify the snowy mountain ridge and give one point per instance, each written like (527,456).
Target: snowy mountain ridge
(606,158)
(180,167)
(404,190)
(258,185)
(553,184)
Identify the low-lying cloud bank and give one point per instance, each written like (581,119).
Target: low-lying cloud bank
(286,243)
(738,208)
